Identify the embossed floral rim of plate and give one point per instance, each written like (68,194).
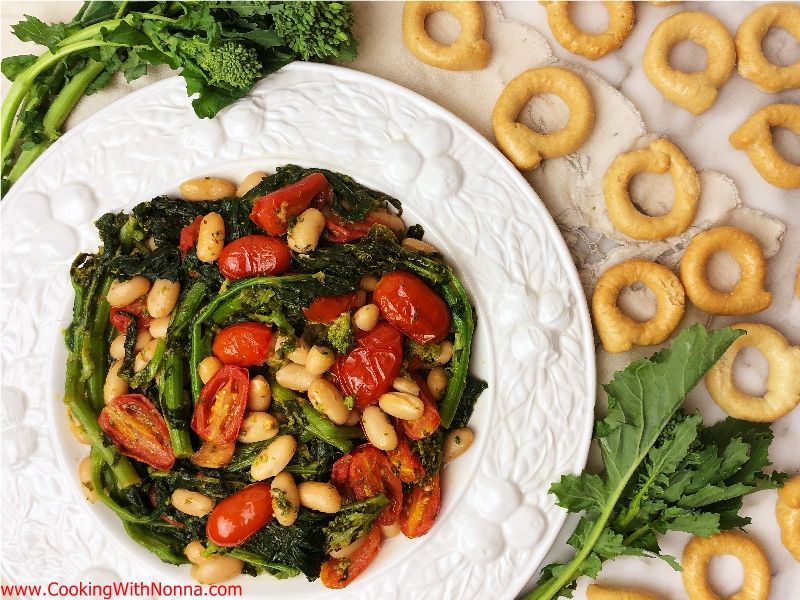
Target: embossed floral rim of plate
(533,342)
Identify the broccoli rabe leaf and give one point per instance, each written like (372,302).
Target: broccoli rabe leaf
(472,390)
(162,263)
(352,521)
(429,450)
(316,30)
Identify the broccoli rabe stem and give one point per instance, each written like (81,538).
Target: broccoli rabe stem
(167,547)
(97,349)
(174,405)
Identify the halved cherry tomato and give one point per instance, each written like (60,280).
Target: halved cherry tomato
(253,255)
(273,211)
(430,419)
(412,306)
(337,573)
(371,474)
(405,464)
(240,515)
(420,508)
(340,232)
(120,320)
(326,309)
(340,476)
(243,344)
(370,368)
(138,430)
(189,235)
(218,415)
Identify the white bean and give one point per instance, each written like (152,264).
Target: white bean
(350,548)
(257,427)
(386,218)
(160,326)
(85,475)
(123,293)
(304,235)
(208,367)
(143,358)
(319,496)
(207,188)
(211,238)
(195,552)
(162,297)
(418,246)
(285,499)
(353,418)
(402,405)
(390,531)
(76,429)
(192,503)
(407,385)
(249,182)
(217,568)
(300,352)
(260,394)
(456,443)
(437,382)
(295,377)
(319,360)
(117,348)
(114,385)
(327,399)
(368,283)
(150,243)
(366,317)
(445,353)
(378,429)
(274,458)
(213,456)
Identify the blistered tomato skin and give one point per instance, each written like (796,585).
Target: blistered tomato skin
(243,344)
(254,255)
(420,508)
(413,307)
(138,430)
(220,409)
(240,515)
(337,573)
(273,211)
(120,320)
(326,309)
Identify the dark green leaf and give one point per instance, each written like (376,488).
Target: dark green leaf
(14,65)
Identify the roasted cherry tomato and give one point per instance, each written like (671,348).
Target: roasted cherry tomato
(371,474)
(370,368)
(273,211)
(120,320)
(405,464)
(189,235)
(138,430)
(339,231)
(253,255)
(218,415)
(420,508)
(326,309)
(243,344)
(240,515)
(340,476)
(430,419)
(337,573)
(412,306)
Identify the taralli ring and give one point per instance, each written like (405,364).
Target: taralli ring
(525,147)
(659,157)
(748,295)
(695,92)
(590,45)
(753,65)
(599,592)
(755,138)
(787,511)
(470,51)
(619,332)
(699,552)
(783,380)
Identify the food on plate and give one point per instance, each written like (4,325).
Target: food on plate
(591,45)
(258,405)
(468,52)
(787,511)
(748,295)
(525,147)
(753,65)
(660,156)
(695,92)
(207,188)
(651,481)
(783,378)
(600,592)
(618,332)
(700,550)
(754,136)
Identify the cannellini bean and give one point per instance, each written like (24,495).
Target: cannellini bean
(217,568)
(213,456)
(162,297)
(76,429)
(407,385)
(304,235)
(445,353)
(143,358)
(207,188)
(211,238)
(285,499)
(150,243)
(260,394)
(249,182)
(368,283)
(117,348)
(195,552)
(319,496)
(192,503)
(327,399)
(208,367)
(160,326)
(386,218)
(418,246)
(402,405)
(274,458)
(390,531)
(350,548)
(85,475)
(319,360)
(295,377)
(456,443)
(114,385)
(122,293)
(378,429)
(366,317)
(353,418)
(437,382)
(257,427)
(300,352)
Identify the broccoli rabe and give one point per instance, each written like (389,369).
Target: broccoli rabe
(340,334)
(352,521)
(318,30)
(229,64)
(427,353)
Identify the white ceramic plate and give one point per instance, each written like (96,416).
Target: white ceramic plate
(533,341)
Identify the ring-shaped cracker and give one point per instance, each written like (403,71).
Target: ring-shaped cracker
(699,552)
(695,92)
(617,331)
(753,65)
(748,295)
(755,138)
(783,379)
(525,147)
(470,51)
(659,157)
(787,512)
(590,45)
(599,592)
